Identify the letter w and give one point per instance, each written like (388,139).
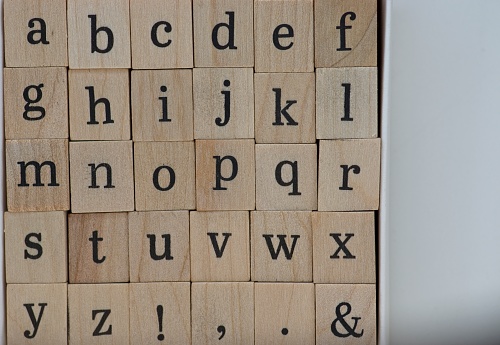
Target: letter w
(282,244)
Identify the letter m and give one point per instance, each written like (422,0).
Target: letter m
(282,245)
(23,166)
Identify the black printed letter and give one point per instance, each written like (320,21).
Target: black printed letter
(93,36)
(230,29)
(33,245)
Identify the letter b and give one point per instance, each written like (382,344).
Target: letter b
(94,31)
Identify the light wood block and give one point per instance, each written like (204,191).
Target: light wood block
(161,34)
(160,313)
(223,33)
(344,247)
(35,33)
(349,175)
(102,176)
(345,33)
(159,246)
(281,246)
(355,305)
(223,103)
(222,313)
(284,36)
(37,175)
(285,108)
(220,246)
(225,175)
(35,247)
(162,105)
(164,175)
(286,177)
(99,106)
(284,314)
(37,314)
(346,103)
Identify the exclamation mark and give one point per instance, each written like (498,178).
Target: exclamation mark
(159,311)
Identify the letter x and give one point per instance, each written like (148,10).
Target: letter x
(342,247)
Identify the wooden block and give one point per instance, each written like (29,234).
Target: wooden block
(98,34)
(35,247)
(286,177)
(345,33)
(284,314)
(349,175)
(159,246)
(98,314)
(222,313)
(346,314)
(220,246)
(161,34)
(225,175)
(37,314)
(344,247)
(160,313)
(99,105)
(284,108)
(35,33)
(162,105)
(284,39)
(98,248)
(223,103)
(102,176)
(346,103)
(223,33)
(37,175)
(281,246)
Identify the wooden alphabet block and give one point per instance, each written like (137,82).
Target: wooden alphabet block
(284,108)
(161,34)
(344,247)
(346,314)
(349,175)
(220,246)
(102,176)
(346,103)
(223,103)
(223,33)
(37,175)
(345,33)
(37,314)
(162,105)
(222,313)
(225,175)
(35,33)
(159,246)
(35,247)
(284,314)
(281,246)
(286,177)
(99,104)
(160,313)
(284,36)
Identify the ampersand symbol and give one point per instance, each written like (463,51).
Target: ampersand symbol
(350,331)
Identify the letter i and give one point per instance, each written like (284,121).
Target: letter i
(164,106)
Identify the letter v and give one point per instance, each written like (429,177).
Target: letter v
(218,250)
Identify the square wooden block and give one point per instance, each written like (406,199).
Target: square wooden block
(162,105)
(345,33)
(37,175)
(159,246)
(225,175)
(281,246)
(35,247)
(220,246)
(346,103)
(344,247)
(349,175)
(102,176)
(99,106)
(223,103)
(286,177)
(346,314)
(223,33)
(222,313)
(161,34)
(284,36)
(285,108)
